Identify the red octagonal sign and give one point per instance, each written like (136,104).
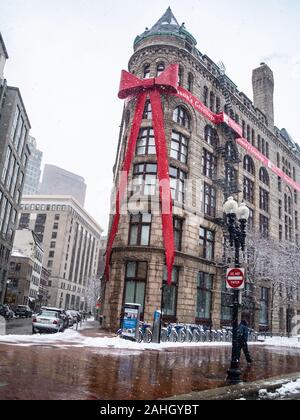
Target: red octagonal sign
(235,278)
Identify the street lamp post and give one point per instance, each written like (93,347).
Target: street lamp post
(236,219)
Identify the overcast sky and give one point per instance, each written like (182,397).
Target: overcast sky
(66,57)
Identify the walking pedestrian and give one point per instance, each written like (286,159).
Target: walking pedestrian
(243,333)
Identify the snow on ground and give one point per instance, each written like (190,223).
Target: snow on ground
(284,391)
(293,342)
(73,338)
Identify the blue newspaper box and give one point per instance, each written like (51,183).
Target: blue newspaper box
(131,321)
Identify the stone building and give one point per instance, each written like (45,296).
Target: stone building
(71,242)
(207,165)
(14,152)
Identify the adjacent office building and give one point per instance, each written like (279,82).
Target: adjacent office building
(19,279)
(33,170)
(14,153)
(3,58)
(71,241)
(58,181)
(27,252)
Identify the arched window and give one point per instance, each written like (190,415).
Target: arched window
(253,137)
(205,95)
(264,176)
(146,71)
(263,146)
(182,117)
(160,68)
(180,76)
(267,150)
(244,129)
(190,82)
(278,159)
(248,133)
(212,101)
(218,105)
(288,200)
(211,136)
(147,111)
(249,165)
(290,204)
(259,142)
(285,203)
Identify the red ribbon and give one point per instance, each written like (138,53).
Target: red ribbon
(167,83)
(130,86)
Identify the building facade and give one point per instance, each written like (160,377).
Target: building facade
(71,241)
(19,279)
(43,289)
(27,243)
(33,170)
(3,58)
(14,152)
(207,165)
(58,181)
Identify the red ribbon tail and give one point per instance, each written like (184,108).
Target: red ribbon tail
(164,180)
(122,190)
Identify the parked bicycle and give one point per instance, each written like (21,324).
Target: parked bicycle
(169,333)
(145,333)
(184,332)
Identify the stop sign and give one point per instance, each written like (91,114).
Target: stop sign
(235,278)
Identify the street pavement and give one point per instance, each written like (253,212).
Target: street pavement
(70,372)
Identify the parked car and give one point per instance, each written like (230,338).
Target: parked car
(4,311)
(23,311)
(61,312)
(47,321)
(9,312)
(72,315)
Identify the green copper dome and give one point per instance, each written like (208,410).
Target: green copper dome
(167,25)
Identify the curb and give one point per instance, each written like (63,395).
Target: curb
(245,390)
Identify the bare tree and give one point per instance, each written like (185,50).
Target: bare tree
(277,263)
(93,292)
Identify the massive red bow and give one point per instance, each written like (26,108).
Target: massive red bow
(130,85)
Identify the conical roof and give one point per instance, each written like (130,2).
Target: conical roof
(167,25)
(167,22)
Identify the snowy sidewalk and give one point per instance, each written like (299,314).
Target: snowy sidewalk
(293,342)
(89,335)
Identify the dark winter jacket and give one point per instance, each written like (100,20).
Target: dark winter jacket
(243,332)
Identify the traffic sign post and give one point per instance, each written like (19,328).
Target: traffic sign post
(235,278)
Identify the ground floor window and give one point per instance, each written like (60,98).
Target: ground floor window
(226,304)
(169,294)
(204,296)
(135,282)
